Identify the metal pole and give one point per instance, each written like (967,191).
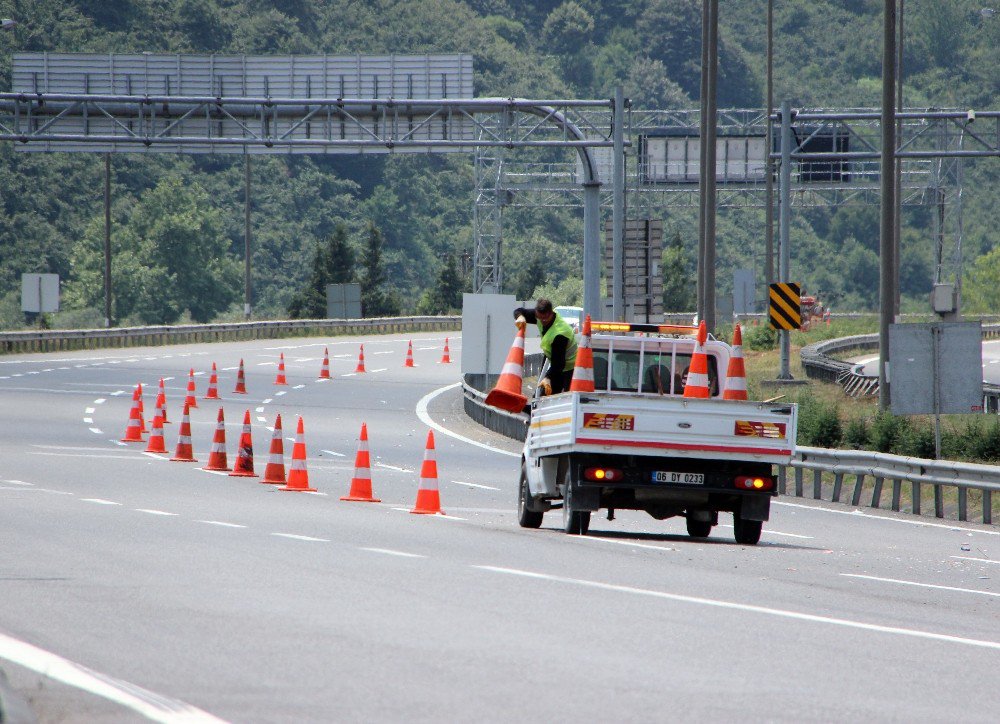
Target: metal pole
(107,239)
(898,168)
(710,163)
(936,367)
(784,220)
(702,146)
(247,289)
(592,248)
(618,208)
(769,142)
(886,181)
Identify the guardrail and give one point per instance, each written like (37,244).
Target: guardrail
(57,340)
(474,389)
(897,470)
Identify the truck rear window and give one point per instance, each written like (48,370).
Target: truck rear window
(658,373)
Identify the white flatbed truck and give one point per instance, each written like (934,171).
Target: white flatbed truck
(637,443)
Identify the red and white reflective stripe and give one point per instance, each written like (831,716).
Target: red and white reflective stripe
(697,379)
(218,447)
(276,459)
(512,368)
(183,439)
(736,384)
(584,374)
(683,446)
(298,464)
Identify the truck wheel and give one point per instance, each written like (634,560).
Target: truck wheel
(699,528)
(746,532)
(575,522)
(526,517)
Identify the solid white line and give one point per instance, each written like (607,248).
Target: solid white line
(151,705)
(920,585)
(153,512)
(748,608)
(221,523)
(774,532)
(390,552)
(96,430)
(301,537)
(198,374)
(426,419)
(961,558)
(861,514)
(598,539)
(99,501)
(474,485)
(331,452)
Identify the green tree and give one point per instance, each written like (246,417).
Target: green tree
(376,299)
(531,277)
(678,290)
(333,263)
(445,297)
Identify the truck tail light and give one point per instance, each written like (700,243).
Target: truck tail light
(754,482)
(604,475)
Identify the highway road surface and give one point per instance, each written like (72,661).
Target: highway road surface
(133,588)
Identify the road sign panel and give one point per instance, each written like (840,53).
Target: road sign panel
(784,308)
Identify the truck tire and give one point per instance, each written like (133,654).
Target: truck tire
(526,517)
(575,522)
(746,532)
(699,528)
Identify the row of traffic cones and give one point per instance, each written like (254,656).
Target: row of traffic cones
(507,394)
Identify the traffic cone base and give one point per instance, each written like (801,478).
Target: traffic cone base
(428,503)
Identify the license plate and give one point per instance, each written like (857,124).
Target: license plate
(665,476)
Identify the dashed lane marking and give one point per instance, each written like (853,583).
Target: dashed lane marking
(89,420)
(380,369)
(221,523)
(920,585)
(392,467)
(349,374)
(598,539)
(390,552)
(259,409)
(118,393)
(474,485)
(298,387)
(100,401)
(267,401)
(961,558)
(99,501)
(230,369)
(309,538)
(154,512)
(861,514)
(282,392)
(15,482)
(331,452)
(90,410)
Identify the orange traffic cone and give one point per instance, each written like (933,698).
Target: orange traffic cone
(241,381)
(409,354)
(184,452)
(324,372)
(156,444)
(191,400)
(213,385)
(446,357)
(161,402)
(280,379)
(583,372)
(133,432)
(736,374)
(244,455)
(697,383)
(361,360)
(507,393)
(298,476)
(217,457)
(428,498)
(137,395)
(361,483)
(274,473)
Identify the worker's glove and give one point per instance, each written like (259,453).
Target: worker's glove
(545,386)
(521,322)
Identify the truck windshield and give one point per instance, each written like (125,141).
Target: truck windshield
(661,373)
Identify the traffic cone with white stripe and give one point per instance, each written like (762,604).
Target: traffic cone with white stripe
(191,400)
(324,371)
(736,375)
(137,395)
(217,457)
(274,473)
(298,475)
(133,431)
(697,383)
(184,452)
(213,385)
(156,443)
(583,372)
(280,379)
(361,483)
(161,401)
(428,497)
(243,468)
(409,355)
(361,360)
(507,393)
(446,357)
(241,381)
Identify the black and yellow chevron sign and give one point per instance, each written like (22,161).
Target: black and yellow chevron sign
(784,311)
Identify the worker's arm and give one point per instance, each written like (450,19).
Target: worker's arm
(528,314)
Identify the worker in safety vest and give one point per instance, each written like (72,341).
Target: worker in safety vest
(558,344)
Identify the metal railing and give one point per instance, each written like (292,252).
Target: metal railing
(57,340)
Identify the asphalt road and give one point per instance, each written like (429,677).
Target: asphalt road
(164,591)
(991,363)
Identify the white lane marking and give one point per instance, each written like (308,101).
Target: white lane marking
(774,532)
(155,456)
(301,537)
(426,419)
(748,608)
(961,558)
(99,501)
(215,472)
(420,349)
(441,516)
(221,523)
(266,402)
(79,366)
(118,393)
(598,539)
(68,447)
(304,359)
(266,364)
(119,443)
(64,368)
(4,377)
(383,352)
(862,514)
(198,374)
(380,369)
(331,452)
(259,409)
(100,401)
(19,374)
(33,372)
(229,369)
(165,379)
(390,552)
(298,387)
(151,705)
(279,394)
(261,419)
(89,420)
(111,362)
(93,456)
(290,439)
(920,585)
(50,369)
(349,374)
(153,512)
(90,410)
(392,467)
(16,482)
(474,485)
